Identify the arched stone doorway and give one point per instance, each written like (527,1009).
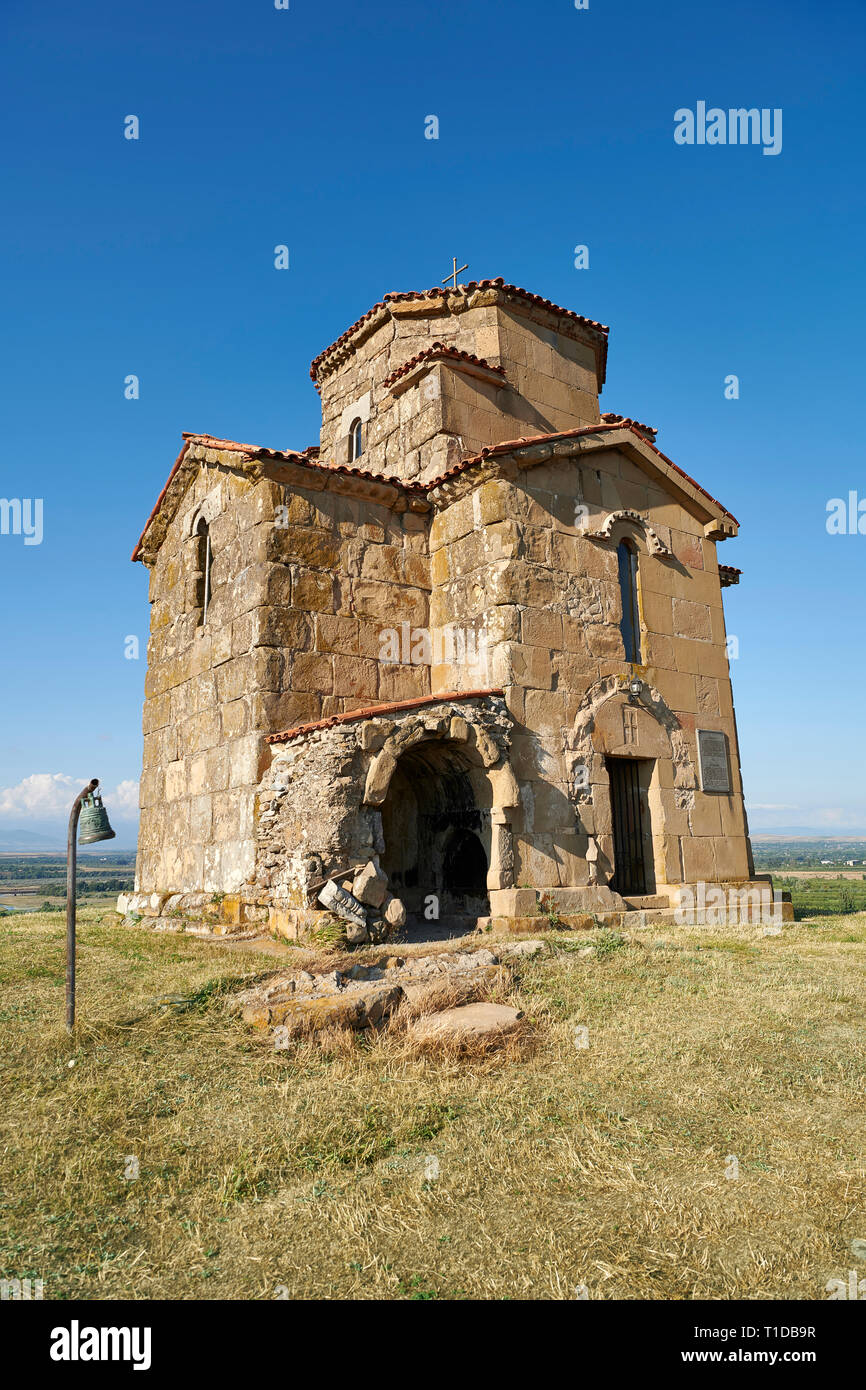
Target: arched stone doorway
(436,835)
(619,736)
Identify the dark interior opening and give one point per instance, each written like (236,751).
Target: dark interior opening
(434,832)
(465,867)
(632,833)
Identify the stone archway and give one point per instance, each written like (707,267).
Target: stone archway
(341,794)
(452,767)
(436,831)
(612,723)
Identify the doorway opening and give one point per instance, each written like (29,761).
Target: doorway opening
(435,835)
(629,780)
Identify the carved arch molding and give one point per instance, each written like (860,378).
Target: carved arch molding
(604,532)
(486,754)
(585,764)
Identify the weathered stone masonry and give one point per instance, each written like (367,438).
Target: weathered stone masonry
(490,501)
(321,804)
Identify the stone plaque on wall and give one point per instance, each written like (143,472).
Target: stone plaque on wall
(713,755)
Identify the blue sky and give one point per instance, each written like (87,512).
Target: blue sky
(306,127)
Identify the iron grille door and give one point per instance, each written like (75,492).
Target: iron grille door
(628,841)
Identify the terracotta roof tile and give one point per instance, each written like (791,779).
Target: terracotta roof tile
(610,418)
(308,459)
(440,350)
(317,361)
(159,501)
(509,445)
(371,711)
(500,284)
(439,292)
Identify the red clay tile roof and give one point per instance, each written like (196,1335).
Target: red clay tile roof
(508,446)
(307,459)
(439,350)
(402,296)
(526,441)
(159,501)
(371,711)
(499,284)
(610,418)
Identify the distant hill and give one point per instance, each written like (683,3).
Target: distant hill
(24,840)
(36,842)
(804,832)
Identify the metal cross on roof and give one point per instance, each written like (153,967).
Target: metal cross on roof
(452,275)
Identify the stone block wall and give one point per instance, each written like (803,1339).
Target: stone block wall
(553,373)
(551,381)
(203,744)
(305,583)
(510,557)
(343,572)
(511,580)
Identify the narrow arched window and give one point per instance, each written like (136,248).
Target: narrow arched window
(205,562)
(630,625)
(356,440)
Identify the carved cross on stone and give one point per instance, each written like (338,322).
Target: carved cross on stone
(629,724)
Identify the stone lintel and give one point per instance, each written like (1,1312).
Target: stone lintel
(419,308)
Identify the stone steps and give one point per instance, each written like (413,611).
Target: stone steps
(645,917)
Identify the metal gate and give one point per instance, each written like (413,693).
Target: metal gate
(629,877)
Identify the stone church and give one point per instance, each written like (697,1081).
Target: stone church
(465,657)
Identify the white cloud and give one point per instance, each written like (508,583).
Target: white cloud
(46,794)
(838,815)
(42,794)
(124,799)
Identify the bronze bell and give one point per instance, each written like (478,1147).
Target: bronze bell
(93,824)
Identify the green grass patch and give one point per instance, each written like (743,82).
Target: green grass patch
(355,1170)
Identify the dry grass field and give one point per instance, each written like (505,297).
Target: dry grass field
(359,1169)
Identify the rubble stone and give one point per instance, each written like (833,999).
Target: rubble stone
(395,912)
(337,900)
(370,885)
(467,1022)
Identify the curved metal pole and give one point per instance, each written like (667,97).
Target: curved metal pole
(71,846)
